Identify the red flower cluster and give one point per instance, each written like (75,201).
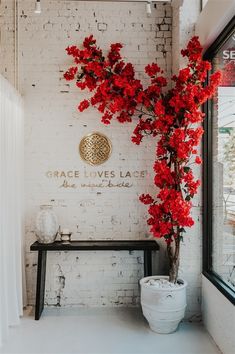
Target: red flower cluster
(167,215)
(70,74)
(114,84)
(193,51)
(170,116)
(83,105)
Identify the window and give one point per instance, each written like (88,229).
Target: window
(219,169)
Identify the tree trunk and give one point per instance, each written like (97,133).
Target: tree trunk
(173,255)
(173,272)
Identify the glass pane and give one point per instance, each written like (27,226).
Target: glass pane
(223,171)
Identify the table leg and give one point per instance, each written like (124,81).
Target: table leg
(41,277)
(147,263)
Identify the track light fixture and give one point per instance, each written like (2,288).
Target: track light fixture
(149,8)
(37,7)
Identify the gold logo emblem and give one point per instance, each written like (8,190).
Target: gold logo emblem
(95,148)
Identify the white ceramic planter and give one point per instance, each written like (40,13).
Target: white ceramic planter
(46,224)
(163,308)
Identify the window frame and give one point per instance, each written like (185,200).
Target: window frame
(208,272)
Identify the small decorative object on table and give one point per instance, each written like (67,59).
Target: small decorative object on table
(46,224)
(65,235)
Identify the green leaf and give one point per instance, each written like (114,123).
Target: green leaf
(182,229)
(187,169)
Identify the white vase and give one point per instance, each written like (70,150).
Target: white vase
(46,224)
(163,308)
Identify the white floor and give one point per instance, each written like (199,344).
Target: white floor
(101,331)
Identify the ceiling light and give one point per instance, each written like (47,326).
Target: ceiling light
(37,7)
(148,8)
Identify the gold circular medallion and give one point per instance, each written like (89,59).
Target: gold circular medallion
(95,148)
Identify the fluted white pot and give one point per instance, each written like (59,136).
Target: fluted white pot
(46,225)
(163,308)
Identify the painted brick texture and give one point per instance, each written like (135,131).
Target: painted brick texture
(7,40)
(53,130)
(185,14)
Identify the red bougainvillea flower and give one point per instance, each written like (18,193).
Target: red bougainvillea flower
(172,117)
(198,160)
(83,105)
(152,69)
(146,199)
(70,73)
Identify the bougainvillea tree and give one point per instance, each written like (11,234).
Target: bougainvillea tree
(172,117)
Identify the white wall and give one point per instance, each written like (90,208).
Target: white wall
(212,20)
(7,40)
(218,312)
(184,17)
(218,317)
(53,131)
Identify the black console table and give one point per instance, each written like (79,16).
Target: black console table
(146,246)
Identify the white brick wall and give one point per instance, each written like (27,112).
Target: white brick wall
(185,14)
(7,40)
(53,130)
(52,134)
